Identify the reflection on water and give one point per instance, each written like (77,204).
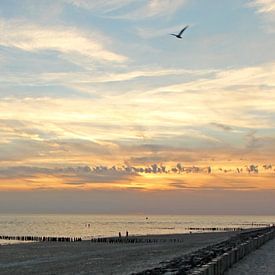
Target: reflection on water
(87,226)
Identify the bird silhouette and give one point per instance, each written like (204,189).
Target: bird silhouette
(179,35)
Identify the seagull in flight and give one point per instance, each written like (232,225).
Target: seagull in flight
(179,35)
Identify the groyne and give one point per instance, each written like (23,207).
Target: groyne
(209,229)
(39,239)
(215,259)
(248,243)
(139,239)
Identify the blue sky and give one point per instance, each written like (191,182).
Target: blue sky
(103,83)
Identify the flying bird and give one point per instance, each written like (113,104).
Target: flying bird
(179,35)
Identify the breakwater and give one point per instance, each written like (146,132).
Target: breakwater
(139,239)
(109,240)
(214,228)
(215,259)
(248,243)
(40,239)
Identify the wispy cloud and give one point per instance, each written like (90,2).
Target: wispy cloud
(264,6)
(222,126)
(103,5)
(258,76)
(160,7)
(182,114)
(226,93)
(86,77)
(142,9)
(69,42)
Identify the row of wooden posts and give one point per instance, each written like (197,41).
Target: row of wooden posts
(119,239)
(214,228)
(40,239)
(225,261)
(110,240)
(113,240)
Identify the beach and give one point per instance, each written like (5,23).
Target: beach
(101,258)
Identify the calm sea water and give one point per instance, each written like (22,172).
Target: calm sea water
(110,225)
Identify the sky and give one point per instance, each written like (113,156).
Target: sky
(103,111)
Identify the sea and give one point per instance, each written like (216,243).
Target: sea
(94,226)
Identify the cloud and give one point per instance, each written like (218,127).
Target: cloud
(167,155)
(70,175)
(52,151)
(172,122)
(222,126)
(260,144)
(71,43)
(152,177)
(29,141)
(130,9)
(72,79)
(178,184)
(105,6)
(240,97)
(24,149)
(258,76)
(161,7)
(264,6)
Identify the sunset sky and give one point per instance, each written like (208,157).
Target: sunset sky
(101,110)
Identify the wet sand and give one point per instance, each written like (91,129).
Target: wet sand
(100,258)
(259,262)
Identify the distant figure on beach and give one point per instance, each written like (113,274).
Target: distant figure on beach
(146,218)
(127,234)
(119,234)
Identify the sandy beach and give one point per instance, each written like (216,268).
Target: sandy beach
(259,262)
(100,258)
